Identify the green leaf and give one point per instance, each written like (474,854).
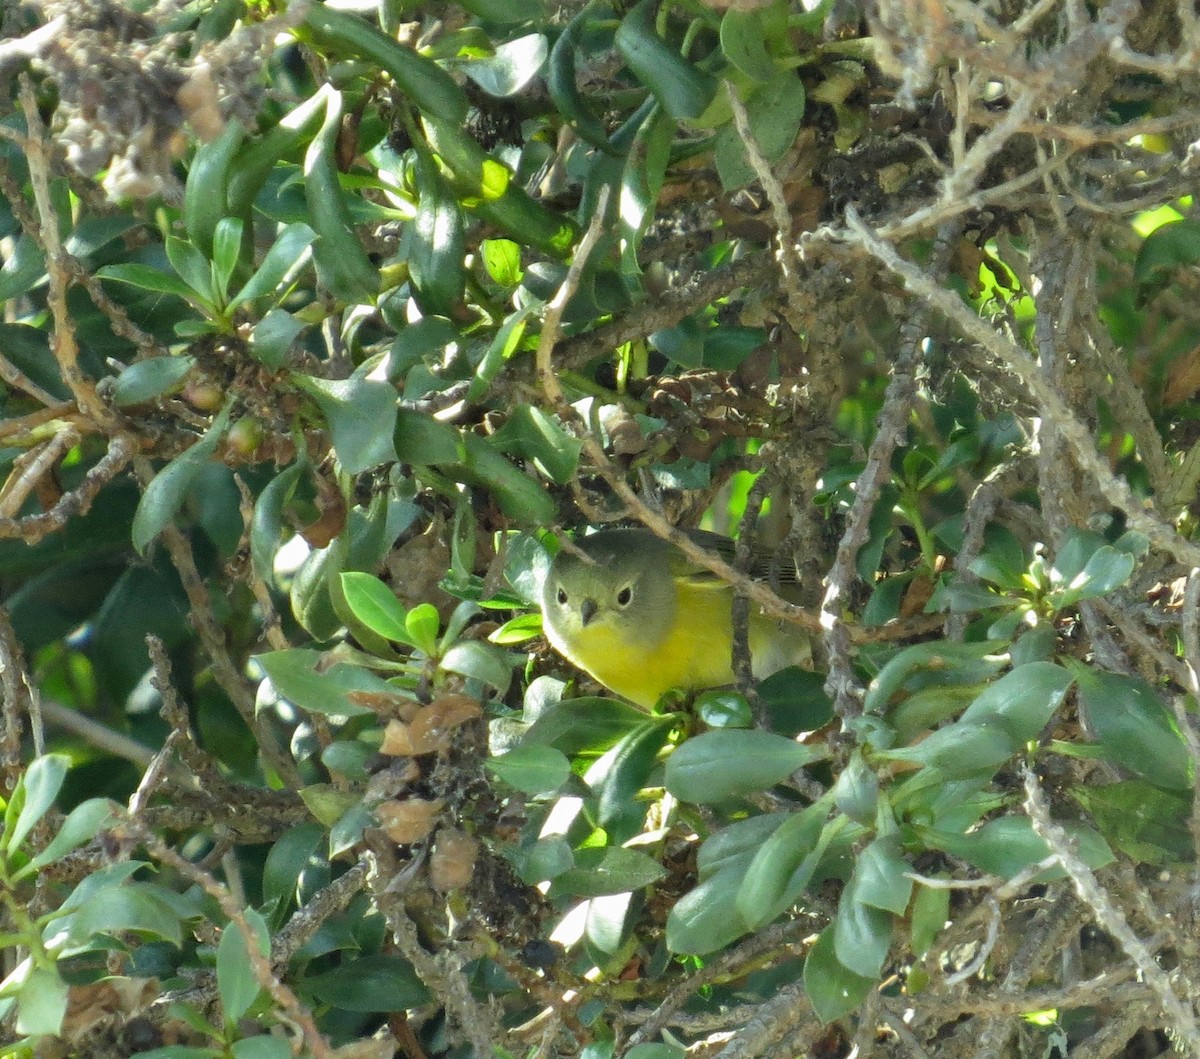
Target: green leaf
(502,259)
(144,380)
(294,854)
(655,1050)
(1133,725)
(227,248)
(936,655)
(273,336)
(731,762)
(480,661)
(361,415)
(706,918)
(287,253)
(437,244)
(879,878)
(618,777)
(683,90)
(237,985)
(862,934)
(723,708)
(23,270)
(267,523)
(518,496)
(783,866)
(36,793)
(1008,845)
(589,724)
(1022,701)
(1166,250)
(930,913)
(295,676)
(165,493)
(510,67)
(532,434)
(856,792)
(41,1002)
(263,1046)
(833,989)
(738,843)
(428,87)
(960,749)
(421,439)
(370,984)
(1145,822)
(193,268)
(376,606)
(422,624)
(607,871)
(743,40)
(532,769)
(137,907)
(774,111)
(83,823)
(147,278)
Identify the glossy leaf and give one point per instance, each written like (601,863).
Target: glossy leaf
(682,89)
(39,787)
(267,522)
(236,984)
(144,380)
(376,606)
(370,984)
(1132,724)
(833,989)
(607,871)
(295,675)
(705,919)
(362,417)
(532,769)
(165,494)
(730,762)
(1008,845)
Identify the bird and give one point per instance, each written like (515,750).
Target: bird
(640,617)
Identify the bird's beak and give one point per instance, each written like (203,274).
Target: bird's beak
(587,610)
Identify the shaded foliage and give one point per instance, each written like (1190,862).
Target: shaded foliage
(325,325)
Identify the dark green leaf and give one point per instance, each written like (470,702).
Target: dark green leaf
(532,769)
(705,919)
(1134,726)
(370,983)
(682,88)
(147,379)
(1022,701)
(167,489)
(607,871)
(267,523)
(578,725)
(1008,845)
(421,439)
(287,252)
(833,990)
(362,418)
(730,762)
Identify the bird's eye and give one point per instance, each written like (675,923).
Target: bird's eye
(562,596)
(625,595)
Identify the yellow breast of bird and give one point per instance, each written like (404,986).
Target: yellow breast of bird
(694,653)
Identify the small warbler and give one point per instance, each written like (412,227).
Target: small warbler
(640,617)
